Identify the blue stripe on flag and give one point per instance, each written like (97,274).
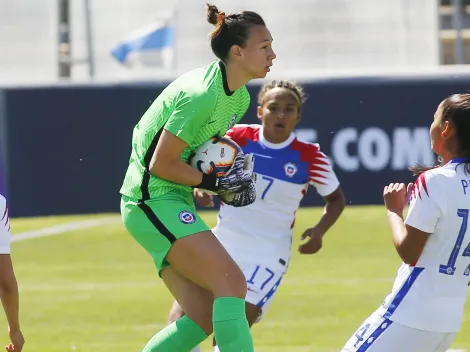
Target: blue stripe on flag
(402,292)
(154,39)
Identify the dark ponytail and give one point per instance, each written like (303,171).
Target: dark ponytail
(216,18)
(418,169)
(229,30)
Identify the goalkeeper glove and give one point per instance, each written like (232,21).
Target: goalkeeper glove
(241,198)
(237,178)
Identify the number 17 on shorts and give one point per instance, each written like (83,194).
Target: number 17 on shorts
(263,283)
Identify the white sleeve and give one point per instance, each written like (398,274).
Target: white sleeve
(5,236)
(321,174)
(425,205)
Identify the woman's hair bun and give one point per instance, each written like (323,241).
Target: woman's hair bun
(212,14)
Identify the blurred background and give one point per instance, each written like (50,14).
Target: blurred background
(77,75)
(312,37)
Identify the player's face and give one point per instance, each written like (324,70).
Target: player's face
(257,56)
(279,114)
(440,132)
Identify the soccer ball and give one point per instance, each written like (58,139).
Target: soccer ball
(216,155)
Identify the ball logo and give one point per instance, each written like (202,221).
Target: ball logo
(222,152)
(186,217)
(290,169)
(199,165)
(231,123)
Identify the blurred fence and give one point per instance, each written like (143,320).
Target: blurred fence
(66,148)
(311,36)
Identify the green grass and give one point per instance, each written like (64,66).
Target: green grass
(97,290)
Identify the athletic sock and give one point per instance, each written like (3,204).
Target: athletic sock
(180,336)
(231,328)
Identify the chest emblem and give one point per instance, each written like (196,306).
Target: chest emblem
(290,169)
(231,123)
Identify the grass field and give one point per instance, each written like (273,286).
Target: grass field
(97,290)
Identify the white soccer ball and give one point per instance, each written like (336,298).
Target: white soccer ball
(216,155)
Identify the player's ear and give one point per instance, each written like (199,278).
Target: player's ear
(236,51)
(446,131)
(259,112)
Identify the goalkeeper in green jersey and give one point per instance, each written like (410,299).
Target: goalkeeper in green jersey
(157,205)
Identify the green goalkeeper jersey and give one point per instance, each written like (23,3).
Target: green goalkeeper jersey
(195,107)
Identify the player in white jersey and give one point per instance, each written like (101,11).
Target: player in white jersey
(424,312)
(8,285)
(259,236)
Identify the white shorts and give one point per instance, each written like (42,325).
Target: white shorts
(378,334)
(4,227)
(263,276)
(263,281)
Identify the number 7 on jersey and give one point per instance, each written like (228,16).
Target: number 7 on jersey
(270,181)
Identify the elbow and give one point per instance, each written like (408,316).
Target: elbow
(159,167)
(154,168)
(342,202)
(339,202)
(408,256)
(409,261)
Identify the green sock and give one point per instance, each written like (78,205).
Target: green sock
(231,328)
(181,336)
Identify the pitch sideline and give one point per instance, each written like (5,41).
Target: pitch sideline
(63,228)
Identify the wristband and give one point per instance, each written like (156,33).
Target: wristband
(209,182)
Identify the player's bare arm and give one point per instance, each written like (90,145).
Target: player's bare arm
(409,241)
(10,301)
(334,206)
(166,161)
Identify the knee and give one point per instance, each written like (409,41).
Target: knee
(241,286)
(176,312)
(233,285)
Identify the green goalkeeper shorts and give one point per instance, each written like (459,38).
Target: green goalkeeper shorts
(157,223)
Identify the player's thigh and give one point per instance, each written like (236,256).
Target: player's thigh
(202,259)
(171,231)
(378,334)
(191,299)
(158,223)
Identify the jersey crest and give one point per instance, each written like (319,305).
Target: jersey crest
(232,121)
(186,217)
(290,169)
